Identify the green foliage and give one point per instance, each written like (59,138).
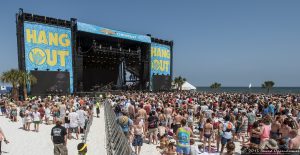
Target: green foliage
(215,85)
(179,81)
(268,85)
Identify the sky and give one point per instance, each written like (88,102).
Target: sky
(232,42)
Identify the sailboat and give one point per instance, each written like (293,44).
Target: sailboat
(250,85)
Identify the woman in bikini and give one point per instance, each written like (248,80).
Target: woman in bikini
(208,130)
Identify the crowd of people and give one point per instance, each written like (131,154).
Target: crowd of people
(70,115)
(190,123)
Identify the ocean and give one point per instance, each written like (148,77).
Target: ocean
(274,90)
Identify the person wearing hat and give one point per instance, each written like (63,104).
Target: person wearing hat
(59,138)
(82,149)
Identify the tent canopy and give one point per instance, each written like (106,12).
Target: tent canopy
(188,86)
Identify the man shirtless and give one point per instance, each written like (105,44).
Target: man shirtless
(143,115)
(177,120)
(208,131)
(295,141)
(274,134)
(168,111)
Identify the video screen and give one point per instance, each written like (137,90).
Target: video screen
(161,82)
(51,82)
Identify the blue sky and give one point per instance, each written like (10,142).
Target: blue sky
(232,42)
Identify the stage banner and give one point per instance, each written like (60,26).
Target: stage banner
(48,48)
(113,33)
(160,59)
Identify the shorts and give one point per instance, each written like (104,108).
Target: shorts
(274,135)
(183,150)
(74,130)
(81,124)
(36,122)
(153,131)
(224,140)
(97,110)
(67,125)
(137,141)
(207,135)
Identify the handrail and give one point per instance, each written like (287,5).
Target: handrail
(117,143)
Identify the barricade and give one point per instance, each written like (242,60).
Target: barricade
(116,142)
(88,126)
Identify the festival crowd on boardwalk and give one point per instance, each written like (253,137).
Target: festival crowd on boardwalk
(193,123)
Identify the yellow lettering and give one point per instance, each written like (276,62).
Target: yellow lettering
(30,36)
(167,65)
(158,52)
(63,40)
(153,51)
(53,61)
(53,39)
(62,56)
(42,39)
(161,65)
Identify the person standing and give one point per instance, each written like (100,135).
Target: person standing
(228,129)
(59,138)
(138,135)
(152,128)
(183,136)
(74,119)
(97,109)
(36,119)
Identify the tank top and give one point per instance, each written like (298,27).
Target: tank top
(266,132)
(184,137)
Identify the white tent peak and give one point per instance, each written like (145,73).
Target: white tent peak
(188,86)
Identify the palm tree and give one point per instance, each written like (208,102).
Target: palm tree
(268,85)
(26,79)
(13,77)
(179,81)
(215,85)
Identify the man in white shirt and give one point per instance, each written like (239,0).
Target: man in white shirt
(74,120)
(81,114)
(36,119)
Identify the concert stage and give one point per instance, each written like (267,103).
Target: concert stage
(90,58)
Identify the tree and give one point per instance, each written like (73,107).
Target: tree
(179,81)
(12,77)
(26,79)
(268,85)
(215,85)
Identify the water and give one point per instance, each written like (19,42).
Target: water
(275,90)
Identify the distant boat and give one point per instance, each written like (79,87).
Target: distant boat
(250,85)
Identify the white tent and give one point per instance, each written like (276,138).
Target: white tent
(188,86)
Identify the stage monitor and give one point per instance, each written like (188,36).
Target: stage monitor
(51,82)
(48,48)
(160,65)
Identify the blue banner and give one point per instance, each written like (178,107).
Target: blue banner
(160,59)
(113,33)
(48,47)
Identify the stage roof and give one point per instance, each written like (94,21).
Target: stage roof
(112,33)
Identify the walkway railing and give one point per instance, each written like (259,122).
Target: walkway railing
(116,142)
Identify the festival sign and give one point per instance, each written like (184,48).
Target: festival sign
(48,47)
(113,33)
(160,59)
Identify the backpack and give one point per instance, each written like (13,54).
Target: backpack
(153,123)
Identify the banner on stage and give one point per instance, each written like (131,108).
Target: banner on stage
(48,48)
